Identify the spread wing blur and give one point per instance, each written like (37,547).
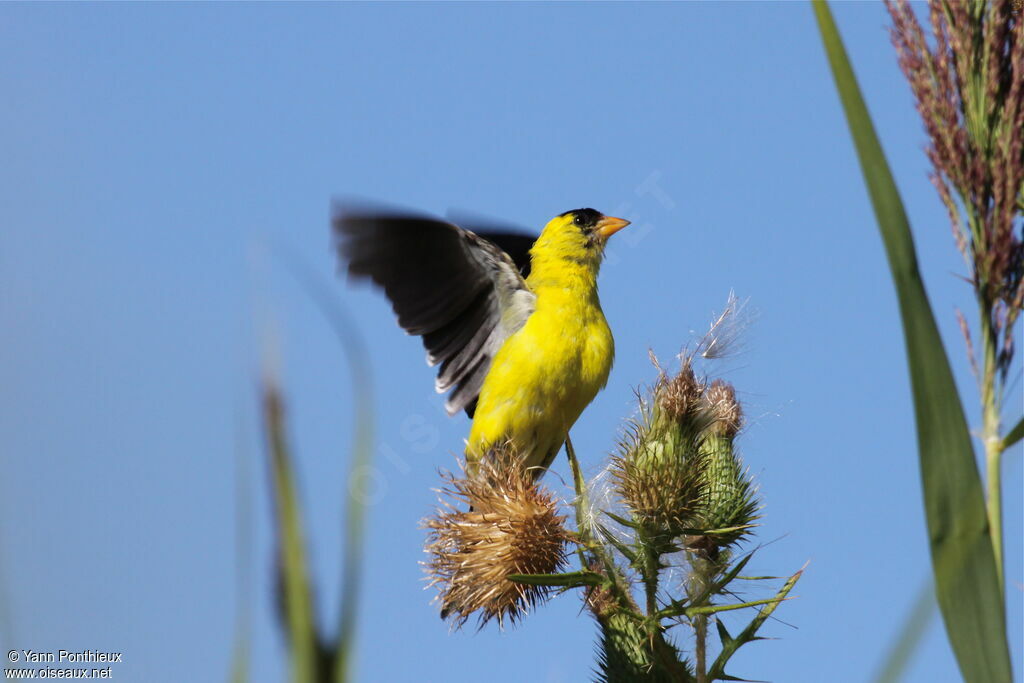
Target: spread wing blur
(511,239)
(463,295)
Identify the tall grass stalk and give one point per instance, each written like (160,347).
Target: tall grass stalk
(968,84)
(318,656)
(970,91)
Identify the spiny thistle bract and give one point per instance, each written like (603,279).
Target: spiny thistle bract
(677,469)
(679,498)
(512,527)
(729,505)
(658,471)
(627,654)
(628,651)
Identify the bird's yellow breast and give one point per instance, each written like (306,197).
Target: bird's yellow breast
(544,375)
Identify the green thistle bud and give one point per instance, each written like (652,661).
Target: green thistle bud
(659,469)
(728,501)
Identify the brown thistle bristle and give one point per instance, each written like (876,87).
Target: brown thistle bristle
(599,599)
(725,411)
(679,397)
(513,528)
(662,492)
(658,470)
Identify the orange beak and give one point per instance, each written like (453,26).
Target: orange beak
(609,225)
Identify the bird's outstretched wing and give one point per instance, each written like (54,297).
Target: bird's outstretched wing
(460,292)
(511,239)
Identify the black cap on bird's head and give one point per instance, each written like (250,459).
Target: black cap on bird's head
(591,221)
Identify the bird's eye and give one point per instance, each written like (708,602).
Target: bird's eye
(578,220)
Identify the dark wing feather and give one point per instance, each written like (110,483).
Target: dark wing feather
(516,244)
(511,239)
(462,294)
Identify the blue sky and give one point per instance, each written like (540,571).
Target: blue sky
(159,159)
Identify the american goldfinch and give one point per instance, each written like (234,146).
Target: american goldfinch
(515,323)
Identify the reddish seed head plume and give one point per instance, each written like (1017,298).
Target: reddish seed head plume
(968,83)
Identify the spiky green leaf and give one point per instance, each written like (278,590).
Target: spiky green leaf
(568,579)
(749,634)
(621,520)
(623,549)
(714,609)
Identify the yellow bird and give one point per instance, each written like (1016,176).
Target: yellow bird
(515,323)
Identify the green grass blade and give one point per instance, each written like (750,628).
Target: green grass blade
(356,497)
(1015,435)
(911,633)
(298,603)
(240,660)
(243,561)
(966,579)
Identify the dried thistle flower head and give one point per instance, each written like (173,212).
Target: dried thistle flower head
(513,527)
(679,397)
(723,408)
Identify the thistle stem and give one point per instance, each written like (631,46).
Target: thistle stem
(651,569)
(700,627)
(582,503)
(618,585)
(699,582)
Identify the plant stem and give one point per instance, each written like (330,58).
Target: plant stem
(703,571)
(700,627)
(991,438)
(586,531)
(994,504)
(582,503)
(619,586)
(651,567)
